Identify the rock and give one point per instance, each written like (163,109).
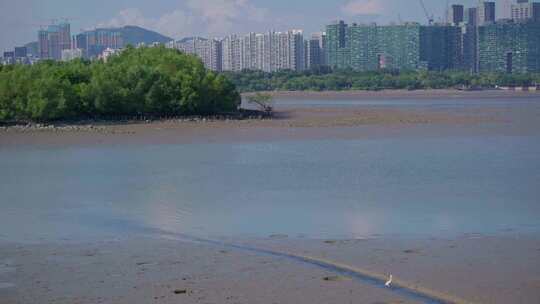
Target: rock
(334,278)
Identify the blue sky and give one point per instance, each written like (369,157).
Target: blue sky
(20,19)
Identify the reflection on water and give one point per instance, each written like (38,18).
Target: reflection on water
(425,186)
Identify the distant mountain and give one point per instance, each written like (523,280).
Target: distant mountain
(134,35)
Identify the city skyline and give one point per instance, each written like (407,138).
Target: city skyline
(209,18)
(473,39)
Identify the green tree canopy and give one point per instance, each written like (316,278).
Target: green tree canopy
(139,81)
(321,79)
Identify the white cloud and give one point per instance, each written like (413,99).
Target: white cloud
(175,24)
(221,15)
(227,9)
(363,7)
(196,17)
(131,16)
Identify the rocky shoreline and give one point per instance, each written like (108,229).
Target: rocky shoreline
(52,128)
(102,126)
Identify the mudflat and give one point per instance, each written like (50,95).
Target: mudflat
(473,268)
(149,260)
(292,120)
(406,94)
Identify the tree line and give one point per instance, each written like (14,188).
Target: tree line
(324,79)
(138,82)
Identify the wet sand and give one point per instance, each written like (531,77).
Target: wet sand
(291,122)
(146,270)
(475,268)
(405,94)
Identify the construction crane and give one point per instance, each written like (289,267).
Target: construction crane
(428,16)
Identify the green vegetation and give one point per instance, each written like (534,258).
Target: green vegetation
(138,82)
(326,80)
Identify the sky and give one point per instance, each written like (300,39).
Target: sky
(20,19)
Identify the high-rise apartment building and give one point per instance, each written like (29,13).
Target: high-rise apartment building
(469,48)
(281,51)
(211,54)
(53,40)
(314,53)
(43,44)
(471,16)
(269,52)
(64,32)
(441,47)
(524,11)
(231,54)
(410,46)
(208,50)
(54,43)
(456,14)
(296,50)
(469,39)
(486,12)
(80,41)
(509,47)
(260,51)
(321,38)
(249,52)
(337,52)
(93,43)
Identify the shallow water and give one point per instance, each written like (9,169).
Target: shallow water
(391,186)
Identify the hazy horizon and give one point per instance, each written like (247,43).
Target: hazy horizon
(208,18)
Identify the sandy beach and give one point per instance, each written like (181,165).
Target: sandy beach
(164,267)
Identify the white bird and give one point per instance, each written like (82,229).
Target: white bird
(387,284)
